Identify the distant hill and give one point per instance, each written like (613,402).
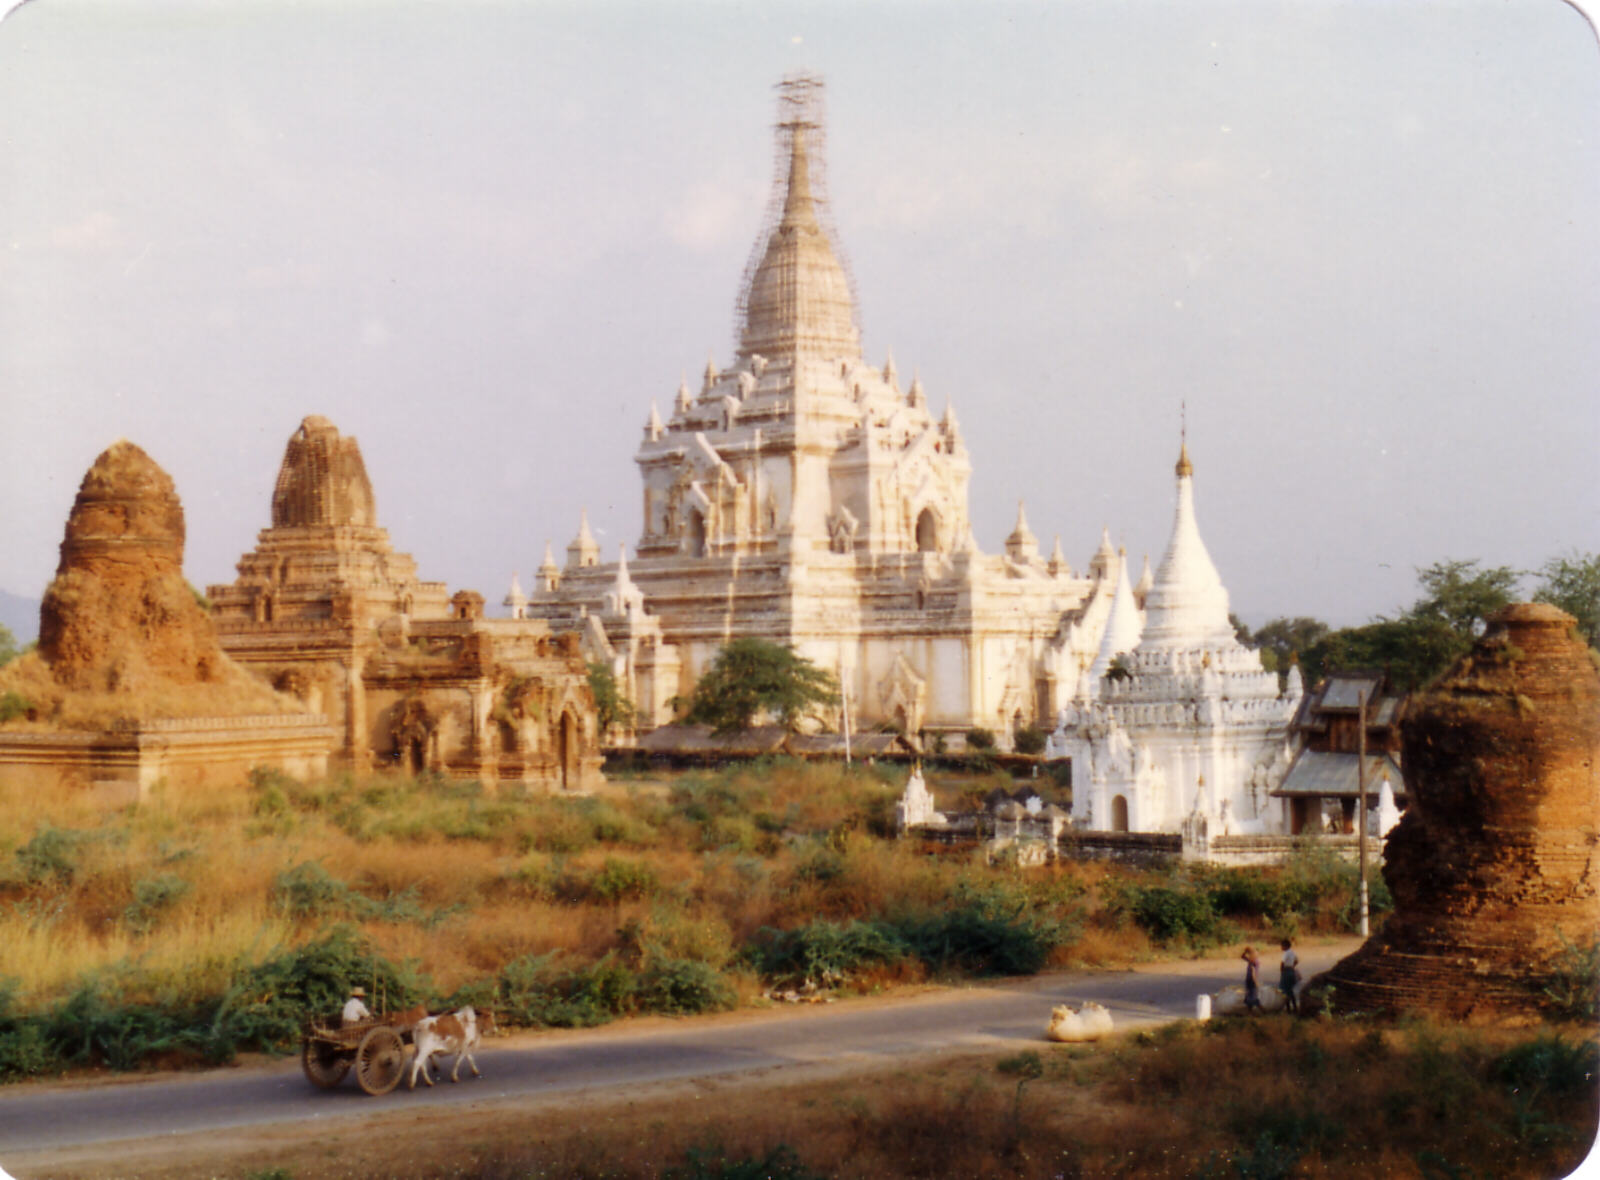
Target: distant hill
(21,616)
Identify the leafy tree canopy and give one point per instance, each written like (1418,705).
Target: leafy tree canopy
(1463,596)
(611,706)
(8,646)
(1411,651)
(750,676)
(1573,584)
(1281,640)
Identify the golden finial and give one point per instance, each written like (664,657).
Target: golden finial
(1185,468)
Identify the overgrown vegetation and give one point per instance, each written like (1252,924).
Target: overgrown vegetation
(193,927)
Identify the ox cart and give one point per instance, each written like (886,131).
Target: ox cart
(376,1047)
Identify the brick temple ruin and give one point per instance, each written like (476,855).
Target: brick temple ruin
(413,677)
(1494,868)
(129,685)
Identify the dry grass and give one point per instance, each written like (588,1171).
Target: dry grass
(459,884)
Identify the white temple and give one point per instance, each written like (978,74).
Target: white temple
(1187,727)
(805,496)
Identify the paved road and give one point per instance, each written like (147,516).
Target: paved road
(999,1015)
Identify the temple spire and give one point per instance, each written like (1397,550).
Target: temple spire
(796,298)
(1187,605)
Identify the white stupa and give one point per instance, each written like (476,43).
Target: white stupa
(1197,728)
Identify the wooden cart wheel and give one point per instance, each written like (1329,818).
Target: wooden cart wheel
(380,1060)
(325,1064)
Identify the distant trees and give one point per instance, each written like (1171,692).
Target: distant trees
(8,646)
(751,676)
(1573,584)
(1456,600)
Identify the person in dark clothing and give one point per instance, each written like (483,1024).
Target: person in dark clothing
(1289,977)
(1252,980)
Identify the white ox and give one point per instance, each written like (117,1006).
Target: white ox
(1089,1022)
(459,1032)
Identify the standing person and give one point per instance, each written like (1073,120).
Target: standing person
(1289,977)
(355,1008)
(1252,980)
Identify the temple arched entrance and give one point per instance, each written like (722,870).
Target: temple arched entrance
(697,533)
(1119,813)
(927,532)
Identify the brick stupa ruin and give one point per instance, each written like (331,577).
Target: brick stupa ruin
(129,685)
(414,678)
(1495,865)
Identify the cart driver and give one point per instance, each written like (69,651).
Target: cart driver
(355,1008)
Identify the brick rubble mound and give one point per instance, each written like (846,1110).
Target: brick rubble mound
(1495,864)
(122,635)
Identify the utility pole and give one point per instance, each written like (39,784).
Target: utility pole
(1361,796)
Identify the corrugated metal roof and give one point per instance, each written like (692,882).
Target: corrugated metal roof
(699,739)
(1317,772)
(1343,691)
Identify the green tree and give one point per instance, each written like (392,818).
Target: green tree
(1411,651)
(1457,599)
(750,676)
(611,706)
(8,646)
(1573,583)
(1281,640)
(1463,596)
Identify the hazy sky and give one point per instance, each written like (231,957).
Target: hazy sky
(1359,239)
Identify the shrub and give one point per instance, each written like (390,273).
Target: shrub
(711,1163)
(1030,740)
(1251,893)
(823,952)
(151,897)
(13,705)
(986,933)
(52,855)
(682,986)
(1572,989)
(1170,914)
(535,990)
(980,739)
(1548,1064)
(307,891)
(618,880)
(24,1052)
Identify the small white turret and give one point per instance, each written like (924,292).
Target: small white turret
(1141,591)
(652,426)
(891,375)
(1105,557)
(711,375)
(1122,629)
(584,550)
(549,573)
(624,599)
(1022,545)
(516,599)
(1058,561)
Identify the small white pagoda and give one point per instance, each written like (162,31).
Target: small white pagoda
(1177,722)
